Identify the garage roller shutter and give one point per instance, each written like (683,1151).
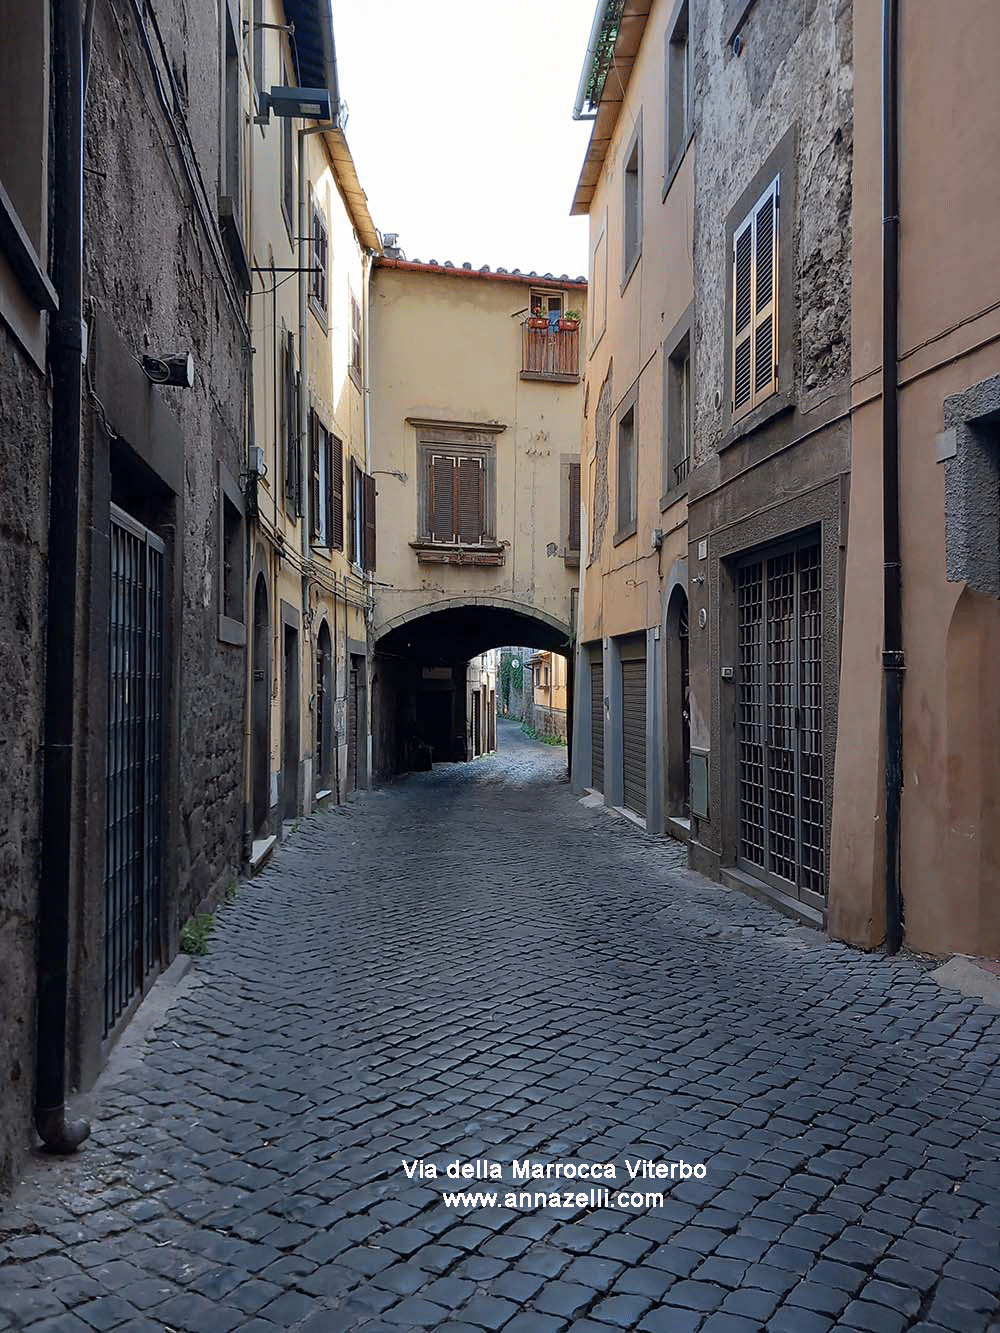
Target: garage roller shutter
(634,734)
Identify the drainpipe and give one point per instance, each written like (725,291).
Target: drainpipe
(893,662)
(58,1134)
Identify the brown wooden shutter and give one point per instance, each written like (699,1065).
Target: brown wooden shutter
(573,538)
(290,428)
(743,317)
(765,319)
(470,504)
(442,507)
(369,542)
(317,499)
(336,483)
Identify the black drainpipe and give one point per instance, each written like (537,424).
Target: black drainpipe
(66,365)
(893,662)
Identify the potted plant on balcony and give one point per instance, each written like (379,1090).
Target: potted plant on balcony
(538,319)
(569,321)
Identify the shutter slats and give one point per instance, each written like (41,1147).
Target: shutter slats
(755,314)
(573,541)
(369,535)
(316,498)
(470,501)
(337,495)
(442,506)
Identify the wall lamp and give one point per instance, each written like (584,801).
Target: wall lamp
(176,369)
(300,103)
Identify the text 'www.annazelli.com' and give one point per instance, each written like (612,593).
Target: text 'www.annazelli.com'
(527,1200)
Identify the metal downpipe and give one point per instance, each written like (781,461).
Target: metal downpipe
(893,661)
(58,1134)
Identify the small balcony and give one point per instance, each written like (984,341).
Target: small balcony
(550,351)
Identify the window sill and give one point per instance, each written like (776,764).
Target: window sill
(630,268)
(671,497)
(445,553)
(20,253)
(775,406)
(551,376)
(675,166)
(623,534)
(231,631)
(319,313)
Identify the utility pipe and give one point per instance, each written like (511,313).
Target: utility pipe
(58,1134)
(893,661)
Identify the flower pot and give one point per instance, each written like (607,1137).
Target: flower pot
(568,325)
(537,322)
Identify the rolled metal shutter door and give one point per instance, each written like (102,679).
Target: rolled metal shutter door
(634,733)
(597,721)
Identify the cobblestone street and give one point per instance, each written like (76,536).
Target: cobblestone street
(471,965)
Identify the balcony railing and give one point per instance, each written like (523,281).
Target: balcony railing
(550,356)
(681,470)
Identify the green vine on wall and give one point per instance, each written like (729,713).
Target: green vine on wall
(511,680)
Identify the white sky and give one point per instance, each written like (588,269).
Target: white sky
(461,125)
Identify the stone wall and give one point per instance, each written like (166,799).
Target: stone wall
(24,430)
(794,75)
(549,721)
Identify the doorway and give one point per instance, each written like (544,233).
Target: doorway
(291,722)
(260,709)
(133,834)
(678,707)
(324,709)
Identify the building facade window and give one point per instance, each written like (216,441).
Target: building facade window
(232,559)
(362,518)
(570,509)
(632,206)
(319,277)
(678,92)
(755,304)
(677,416)
(626,468)
(355,340)
(290,428)
(599,285)
(327,469)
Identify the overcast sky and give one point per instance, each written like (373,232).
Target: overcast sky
(461,125)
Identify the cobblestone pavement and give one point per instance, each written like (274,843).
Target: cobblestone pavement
(470,965)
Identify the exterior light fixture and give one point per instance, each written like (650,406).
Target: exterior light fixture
(299,103)
(176,369)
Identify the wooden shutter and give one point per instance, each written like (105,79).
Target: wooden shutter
(291,432)
(573,536)
(470,500)
(441,507)
(743,317)
(755,304)
(317,499)
(369,534)
(765,319)
(336,482)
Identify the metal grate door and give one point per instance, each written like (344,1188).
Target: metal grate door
(597,722)
(780,721)
(134,765)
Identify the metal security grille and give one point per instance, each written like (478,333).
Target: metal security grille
(634,734)
(134,765)
(780,720)
(597,723)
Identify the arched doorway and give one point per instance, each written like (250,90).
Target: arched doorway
(260,709)
(324,709)
(678,713)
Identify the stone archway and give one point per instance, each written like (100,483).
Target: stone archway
(677,705)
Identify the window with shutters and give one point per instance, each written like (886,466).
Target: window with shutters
(318,278)
(456,494)
(677,83)
(755,304)
(290,428)
(327,491)
(677,420)
(288,169)
(570,507)
(363,494)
